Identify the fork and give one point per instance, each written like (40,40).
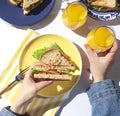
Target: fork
(18,78)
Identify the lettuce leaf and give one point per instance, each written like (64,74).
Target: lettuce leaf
(37,54)
(35,70)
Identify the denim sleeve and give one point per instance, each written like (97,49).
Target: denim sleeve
(104,98)
(7,112)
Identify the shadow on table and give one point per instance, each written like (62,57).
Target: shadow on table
(92,23)
(47,20)
(82,84)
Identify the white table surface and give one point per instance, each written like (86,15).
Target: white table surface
(77,104)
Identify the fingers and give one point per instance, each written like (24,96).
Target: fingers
(29,77)
(115,46)
(90,52)
(39,64)
(36,85)
(29,73)
(42,84)
(113,50)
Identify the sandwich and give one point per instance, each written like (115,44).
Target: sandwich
(26,5)
(44,71)
(108,4)
(29,5)
(55,64)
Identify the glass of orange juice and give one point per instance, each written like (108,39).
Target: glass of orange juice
(101,39)
(74,15)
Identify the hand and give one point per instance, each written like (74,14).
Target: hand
(30,87)
(29,90)
(100,62)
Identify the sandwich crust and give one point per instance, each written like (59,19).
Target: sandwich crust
(15,2)
(56,57)
(28,5)
(56,77)
(104,3)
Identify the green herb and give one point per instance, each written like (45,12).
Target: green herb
(95,7)
(98,8)
(35,70)
(39,52)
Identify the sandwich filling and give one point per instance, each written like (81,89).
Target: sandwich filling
(43,71)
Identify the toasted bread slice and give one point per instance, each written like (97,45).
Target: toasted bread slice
(56,57)
(29,5)
(104,3)
(57,77)
(53,68)
(15,2)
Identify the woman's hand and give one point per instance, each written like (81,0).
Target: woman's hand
(28,91)
(100,62)
(31,87)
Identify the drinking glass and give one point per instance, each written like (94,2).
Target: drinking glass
(74,15)
(101,39)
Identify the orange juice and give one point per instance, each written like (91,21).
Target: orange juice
(74,16)
(100,39)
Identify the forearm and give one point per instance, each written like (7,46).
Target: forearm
(104,98)
(21,103)
(19,108)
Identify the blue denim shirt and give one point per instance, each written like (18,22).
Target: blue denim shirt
(103,96)
(7,112)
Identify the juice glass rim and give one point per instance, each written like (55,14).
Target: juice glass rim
(112,32)
(78,2)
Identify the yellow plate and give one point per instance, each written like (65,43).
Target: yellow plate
(26,59)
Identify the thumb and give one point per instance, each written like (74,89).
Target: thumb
(42,84)
(90,52)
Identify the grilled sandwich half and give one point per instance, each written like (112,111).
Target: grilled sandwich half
(104,3)
(27,5)
(54,64)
